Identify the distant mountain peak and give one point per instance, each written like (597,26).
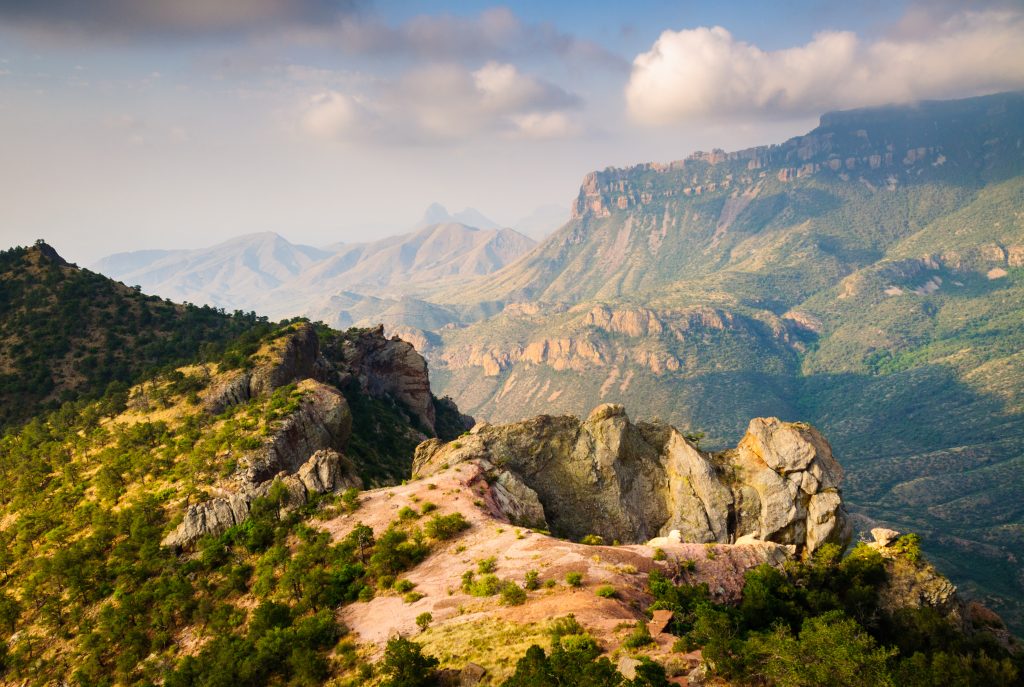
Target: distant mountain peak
(471,217)
(434,214)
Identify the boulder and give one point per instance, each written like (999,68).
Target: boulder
(883,536)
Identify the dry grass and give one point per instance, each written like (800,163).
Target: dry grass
(492,643)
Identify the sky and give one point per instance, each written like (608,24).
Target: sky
(128,125)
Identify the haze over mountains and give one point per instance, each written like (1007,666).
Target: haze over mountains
(267,273)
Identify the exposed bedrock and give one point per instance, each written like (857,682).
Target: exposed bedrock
(325,471)
(631,482)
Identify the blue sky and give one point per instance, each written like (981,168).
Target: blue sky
(181,123)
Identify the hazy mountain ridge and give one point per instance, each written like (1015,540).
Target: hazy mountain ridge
(266,273)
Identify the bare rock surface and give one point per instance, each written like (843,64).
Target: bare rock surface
(393,367)
(469,488)
(631,482)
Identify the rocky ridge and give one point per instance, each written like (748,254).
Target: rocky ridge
(306,450)
(630,483)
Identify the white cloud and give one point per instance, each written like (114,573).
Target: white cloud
(705,72)
(331,114)
(544,125)
(443,103)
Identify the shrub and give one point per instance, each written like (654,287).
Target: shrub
(512,594)
(532,580)
(566,625)
(395,552)
(659,554)
(428,507)
(487,565)
(403,586)
(412,597)
(574,579)
(404,665)
(606,591)
(486,585)
(423,620)
(350,498)
(592,540)
(406,513)
(640,636)
(444,527)
(909,546)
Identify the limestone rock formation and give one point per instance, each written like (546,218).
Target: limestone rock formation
(325,471)
(631,482)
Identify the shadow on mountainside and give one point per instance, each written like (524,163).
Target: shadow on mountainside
(925,452)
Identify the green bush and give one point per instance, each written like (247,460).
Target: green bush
(532,580)
(574,579)
(606,591)
(444,527)
(640,636)
(404,665)
(512,594)
(487,565)
(486,585)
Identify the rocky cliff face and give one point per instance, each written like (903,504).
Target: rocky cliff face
(389,367)
(632,482)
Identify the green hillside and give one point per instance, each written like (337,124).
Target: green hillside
(68,333)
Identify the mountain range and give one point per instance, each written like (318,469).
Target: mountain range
(266,273)
(866,276)
(287,504)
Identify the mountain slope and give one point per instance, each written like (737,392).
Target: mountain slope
(866,276)
(67,333)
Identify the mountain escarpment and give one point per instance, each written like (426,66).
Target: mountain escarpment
(627,482)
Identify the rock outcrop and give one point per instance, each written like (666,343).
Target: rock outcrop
(322,421)
(288,359)
(632,482)
(325,471)
(305,449)
(389,367)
